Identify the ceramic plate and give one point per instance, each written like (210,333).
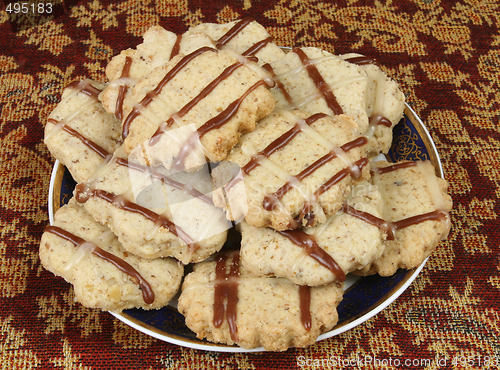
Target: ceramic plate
(364,297)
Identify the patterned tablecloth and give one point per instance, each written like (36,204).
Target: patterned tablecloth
(446,55)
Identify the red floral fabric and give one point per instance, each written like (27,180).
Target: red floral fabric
(446,55)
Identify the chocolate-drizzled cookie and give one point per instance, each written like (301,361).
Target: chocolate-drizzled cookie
(225,303)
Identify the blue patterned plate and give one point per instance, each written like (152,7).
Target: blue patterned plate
(363,298)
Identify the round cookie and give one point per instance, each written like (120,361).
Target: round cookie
(224,303)
(104,275)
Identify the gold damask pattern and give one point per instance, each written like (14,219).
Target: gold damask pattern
(446,55)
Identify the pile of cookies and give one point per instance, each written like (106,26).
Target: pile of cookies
(242,176)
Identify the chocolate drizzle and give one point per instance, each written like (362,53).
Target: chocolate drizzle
(89,143)
(270,200)
(165,179)
(226,291)
(229,35)
(186,108)
(85,87)
(123,88)
(361,60)
(394,167)
(136,111)
(83,193)
(280,142)
(176,47)
(382,224)
(147,292)
(305,306)
(320,83)
(311,247)
(278,83)
(254,49)
(378,119)
(214,123)
(437,215)
(339,176)
(390,228)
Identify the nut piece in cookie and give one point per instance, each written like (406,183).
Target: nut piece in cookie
(416,208)
(385,103)
(321,254)
(155,212)
(79,132)
(296,169)
(224,303)
(89,256)
(200,101)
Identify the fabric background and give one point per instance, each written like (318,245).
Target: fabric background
(446,55)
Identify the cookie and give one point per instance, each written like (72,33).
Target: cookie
(204,100)
(224,303)
(296,169)
(245,37)
(89,256)
(155,213)
(318,255)
(79,132)
(316,81)
(415,214)
(385,103)
(131,65)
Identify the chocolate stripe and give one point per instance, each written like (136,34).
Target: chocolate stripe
(378,119)
(157,90)
(89,143)
(85,87)
(229,35)
(203,94)
(83,193)
(214,123)
(176,47)
(311,247)
(227,113)
(255,48)
(389,228)
(394,167)
(382,224)
(361,60)
(280,142)
(147,292)
(279,84)
(226,290)
(123,89)
(271,200)
(339,176)
(437,215)
(320,83)
(305,306)
(165,179)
